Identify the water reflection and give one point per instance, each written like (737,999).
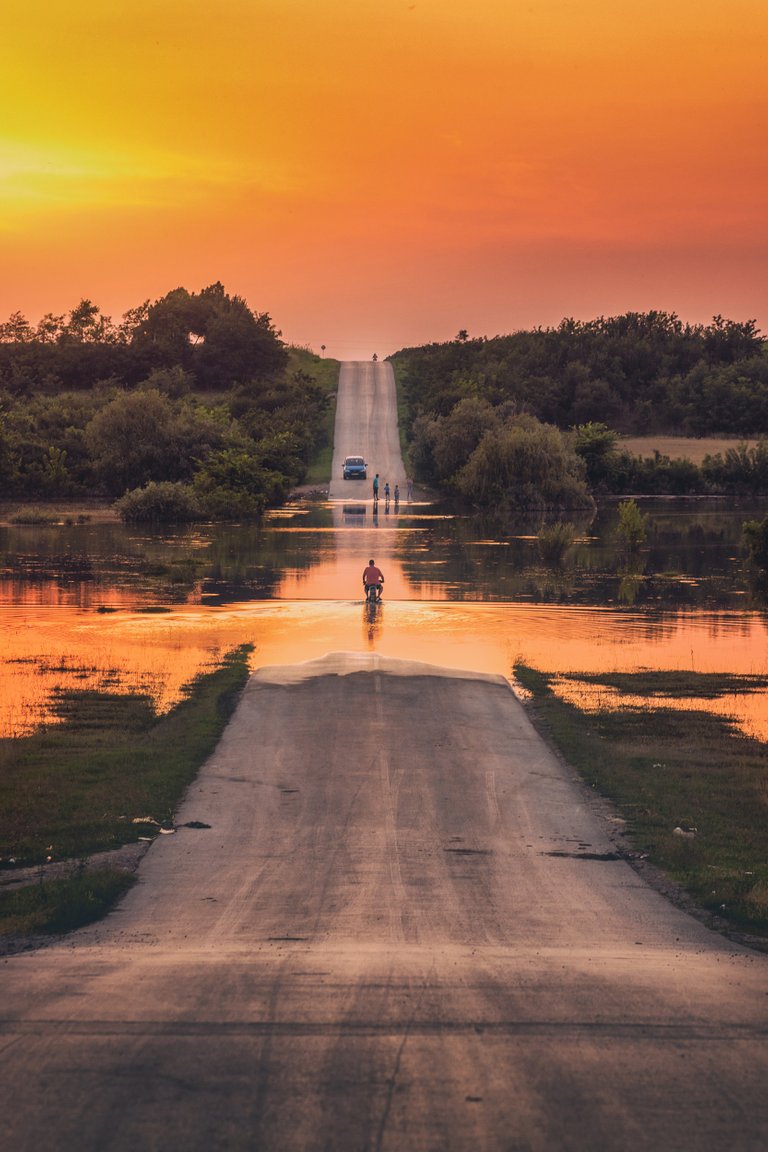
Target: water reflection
(373,625)
(74,599)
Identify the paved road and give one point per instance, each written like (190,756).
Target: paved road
(366,425)
(404,930)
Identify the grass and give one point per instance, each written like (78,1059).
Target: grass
(403,417)
(57,906)
(35,516)
(666,768)
(326,372)
(73,788)
(554,540)
(682,447)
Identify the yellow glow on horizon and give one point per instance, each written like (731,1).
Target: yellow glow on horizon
(285,136)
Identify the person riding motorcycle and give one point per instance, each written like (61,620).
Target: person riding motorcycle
(373,579)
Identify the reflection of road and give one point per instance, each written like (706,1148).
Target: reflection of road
(405,929)
(373,624)
(366,425)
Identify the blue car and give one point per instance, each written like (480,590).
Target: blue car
(355,468)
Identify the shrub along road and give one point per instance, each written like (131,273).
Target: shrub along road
(405,928)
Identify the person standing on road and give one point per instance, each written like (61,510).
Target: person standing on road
(376,488)
(409,488)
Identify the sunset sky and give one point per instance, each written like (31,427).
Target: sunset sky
(380,173)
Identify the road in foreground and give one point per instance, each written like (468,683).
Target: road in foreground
(404,929)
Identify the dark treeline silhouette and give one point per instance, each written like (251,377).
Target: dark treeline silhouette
(477,407)
(194,391)
(212,334)
(639,373)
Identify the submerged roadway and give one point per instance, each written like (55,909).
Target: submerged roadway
(405,928)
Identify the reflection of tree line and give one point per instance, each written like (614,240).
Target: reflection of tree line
(226,562)
(686,562)
(683,564)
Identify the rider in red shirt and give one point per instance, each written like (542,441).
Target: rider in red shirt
(372,576)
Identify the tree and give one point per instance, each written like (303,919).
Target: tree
(210,333)
(129,440)
(595,443)
(524,467)
(459,433)
(16,330)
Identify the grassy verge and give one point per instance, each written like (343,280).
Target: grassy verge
(326,372)
(56,906)
(668,769)
(75,788)
(403,416)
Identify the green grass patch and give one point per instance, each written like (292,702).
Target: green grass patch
(56,906)
(326,373)
(35,516)
(321,464)
(667,768)
(404,416)
(73,788)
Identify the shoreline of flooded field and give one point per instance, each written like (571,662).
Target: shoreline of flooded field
(102,606)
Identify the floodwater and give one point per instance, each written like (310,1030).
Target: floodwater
(100,605)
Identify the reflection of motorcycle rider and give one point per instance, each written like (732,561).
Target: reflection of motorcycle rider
(373,578)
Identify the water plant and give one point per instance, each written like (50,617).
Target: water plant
(633,525)
(554,540)
(755,538)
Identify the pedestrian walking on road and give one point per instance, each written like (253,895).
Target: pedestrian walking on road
(409,488)
(376,488)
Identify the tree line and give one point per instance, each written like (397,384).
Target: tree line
(532,420)
(193,391)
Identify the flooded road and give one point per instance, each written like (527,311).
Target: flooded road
(101,605)
(389,918)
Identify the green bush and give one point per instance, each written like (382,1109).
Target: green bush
(554,540)
(633,525)
(755,537)
(524,467)
(165,502)
(234,484)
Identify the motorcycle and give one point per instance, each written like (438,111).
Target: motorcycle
(373,593)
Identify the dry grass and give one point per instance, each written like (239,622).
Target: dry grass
(682,447)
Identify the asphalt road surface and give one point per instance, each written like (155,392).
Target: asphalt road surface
(366,425)
(405,929)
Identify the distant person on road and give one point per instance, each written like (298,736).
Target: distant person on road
(397,497)
(373,578)
(409,488)
(376,488)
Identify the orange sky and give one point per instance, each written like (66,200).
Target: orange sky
(377,173)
